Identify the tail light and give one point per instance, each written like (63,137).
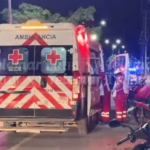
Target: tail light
(76,88)
(82,36)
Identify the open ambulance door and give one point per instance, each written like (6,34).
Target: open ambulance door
(121,61)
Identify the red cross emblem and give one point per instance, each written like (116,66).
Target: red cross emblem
(15,57)
(54,57)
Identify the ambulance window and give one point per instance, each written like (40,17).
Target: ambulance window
(54,60)
(95,67)
(15,60)
(95,63)
(120,62)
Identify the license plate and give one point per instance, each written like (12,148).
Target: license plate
(63,100)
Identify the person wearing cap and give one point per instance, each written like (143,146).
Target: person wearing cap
(106,98)
(120,93)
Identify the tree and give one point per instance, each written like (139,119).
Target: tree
(28,12)
(109,61)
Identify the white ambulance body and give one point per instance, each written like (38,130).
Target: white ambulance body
(46,76)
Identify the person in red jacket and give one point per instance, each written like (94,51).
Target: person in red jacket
(143,94)
(120,94)
(106,96)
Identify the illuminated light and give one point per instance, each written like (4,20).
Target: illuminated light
(137,67)
(122,69)
(132,69)
(114,46)
(103,23)
(74,113)
(80,29)
(75,96)
(34,24)
(118,41)
(82,37)
(107,41)
(123,47)
(34,27)
(86,37)
(93,37)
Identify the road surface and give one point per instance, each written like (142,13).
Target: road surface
(102,138)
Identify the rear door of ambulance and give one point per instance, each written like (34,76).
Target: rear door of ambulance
(36,74)
(17,98)
(53,74)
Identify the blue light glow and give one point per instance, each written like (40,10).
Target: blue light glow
(132,69)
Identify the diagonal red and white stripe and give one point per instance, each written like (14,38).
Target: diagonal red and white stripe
(39,98)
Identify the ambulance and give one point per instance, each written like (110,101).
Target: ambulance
(49,77)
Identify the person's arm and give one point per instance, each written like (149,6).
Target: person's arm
(118,85)
(114,87)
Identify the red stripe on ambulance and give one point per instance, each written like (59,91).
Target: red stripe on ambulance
(37,38)
(16,84)
(49,97)
(58,89)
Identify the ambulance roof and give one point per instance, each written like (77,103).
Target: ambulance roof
(50,25)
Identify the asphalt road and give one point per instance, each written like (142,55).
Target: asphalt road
(102,138)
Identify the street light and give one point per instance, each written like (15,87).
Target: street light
(10,11)
(114,46)
(103,23)
(118,41)
(107,41)
(123,47)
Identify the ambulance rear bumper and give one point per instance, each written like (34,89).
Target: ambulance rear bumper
(34,114)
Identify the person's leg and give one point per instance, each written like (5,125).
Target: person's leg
(102,104)
(119,109)
(107,106)
(124,101)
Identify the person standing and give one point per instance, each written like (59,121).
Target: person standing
(120,94)
(106,98)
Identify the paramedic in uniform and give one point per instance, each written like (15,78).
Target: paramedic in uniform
(106,98)
(120,94)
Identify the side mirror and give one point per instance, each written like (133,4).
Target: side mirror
(114,124)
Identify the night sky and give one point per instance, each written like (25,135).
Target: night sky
(123,16)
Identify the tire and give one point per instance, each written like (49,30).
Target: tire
(83,127)
(146,114)
(141,147)
(139,115)
(97,117)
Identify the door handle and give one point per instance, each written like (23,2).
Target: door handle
(43,82)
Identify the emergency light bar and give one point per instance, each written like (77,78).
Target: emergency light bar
(34,27)
(33,24)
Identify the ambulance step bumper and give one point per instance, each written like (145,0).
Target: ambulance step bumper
(34,129)
(36,119)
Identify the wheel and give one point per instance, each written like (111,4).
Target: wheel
(146,114)
(84,126)
(139,115)
(97,116)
